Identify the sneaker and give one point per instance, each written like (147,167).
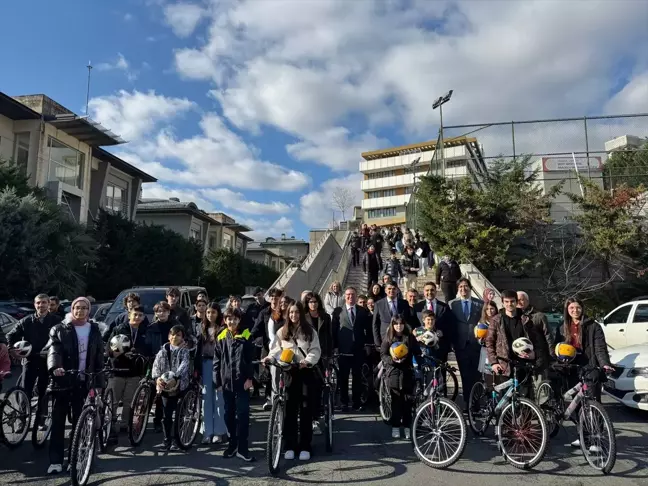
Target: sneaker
(217,439)
(69,467)
(304,456)
(167,445)
(594,449)
(289,455)
(267,406)
(247,457)
(408,433)
(395,433)
(316,428)
(576,443)
(229,452)
(55,469)
(207,439)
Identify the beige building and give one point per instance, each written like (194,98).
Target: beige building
(390,174)
(289,248)
(225,232)
(266,256)
(61,153)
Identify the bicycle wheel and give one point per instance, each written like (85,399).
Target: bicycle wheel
(439,433)
(139,414)
(479,415)
(365,393)
(107,415)
(327,399)
(385,401)
(597,437)
(84,445)
(546,400)
(274,443)
(42,421)
(522,434)
(187,420)
(15,417)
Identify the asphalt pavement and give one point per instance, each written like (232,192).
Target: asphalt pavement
(364,454)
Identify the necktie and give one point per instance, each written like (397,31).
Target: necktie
(466,310)
(393,308)
(430,306)
(351,315)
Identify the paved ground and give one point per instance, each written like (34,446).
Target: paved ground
(364,454)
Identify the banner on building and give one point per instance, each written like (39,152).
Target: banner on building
(566,164)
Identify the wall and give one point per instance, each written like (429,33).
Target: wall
(6,137)
(293,250)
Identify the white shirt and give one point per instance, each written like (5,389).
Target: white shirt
(272,333)
(83,336)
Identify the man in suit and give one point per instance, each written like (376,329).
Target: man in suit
(467,311)
(444,318)
(351,334)
(385,309)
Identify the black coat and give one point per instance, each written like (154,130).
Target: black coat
(351,338)
(448,272)
(121,319)
(63,353)
(233,357)
(254,309)
(382,317)
(259,333)
(35,332)
(181,315)
(135,366)
(372,263)
(157,335)
(594,350)
(400,376)
(324,330)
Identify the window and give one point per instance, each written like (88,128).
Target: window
(21,149)
(619,316)
(194,233)
(389,192)
(380,175)
(65,163)
(641,314)
(227,241)
(381,213)
(383,193)
(409,189)
(115,199)
(212,242)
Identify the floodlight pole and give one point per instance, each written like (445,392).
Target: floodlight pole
(439,104)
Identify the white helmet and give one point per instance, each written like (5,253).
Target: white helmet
(23,348)
(522,346)
(170,382)
(120,344)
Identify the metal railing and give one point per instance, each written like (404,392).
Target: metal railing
(313,253)
(340,272)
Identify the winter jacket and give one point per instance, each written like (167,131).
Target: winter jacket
(539,321)
(400,376)
(408,262)
(157,335)
(324,330)
(260,335)
(233,357)
(393,268)
(594,350)
(135,366)
(372,263)
(440,350)
(176,360)
(305,351)
(356,242)
(181,315)
(35,331)
(424,246)
(63,352)
(122,319)
(333,301)
(448,272)
(254,309)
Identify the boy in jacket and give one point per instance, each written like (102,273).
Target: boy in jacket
(157,334)
(393,267)
(233,371)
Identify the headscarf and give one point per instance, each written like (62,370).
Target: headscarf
(79,300)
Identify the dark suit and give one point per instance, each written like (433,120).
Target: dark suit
(444,323)
(382,317)
(467,348)
(350,337)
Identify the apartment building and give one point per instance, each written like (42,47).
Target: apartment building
(390,174)
(61,152)
(266,256)
(225,232)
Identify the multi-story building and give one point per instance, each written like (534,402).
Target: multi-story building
(390,174)
(266,256)
(225,232)
(288,248)
(60,152)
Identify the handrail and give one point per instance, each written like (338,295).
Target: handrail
(334,273)
(312,254)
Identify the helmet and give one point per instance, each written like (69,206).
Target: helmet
(398,350)
(120,344)
(565,352)
(428,338)
(287,356)
(170,382)
(481,330)
(522,346)
(23,348)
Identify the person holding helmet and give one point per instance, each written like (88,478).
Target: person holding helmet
(171,374)
(397,352)
(489,311)
(432,337)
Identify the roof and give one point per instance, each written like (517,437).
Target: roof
(15,110)
(287,241)
(84,129)
(162,206)
(260,249)
(121,164)
(423,147)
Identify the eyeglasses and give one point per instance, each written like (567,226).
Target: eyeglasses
(80,308)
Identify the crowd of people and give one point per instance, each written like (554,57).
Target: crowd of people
(390,324)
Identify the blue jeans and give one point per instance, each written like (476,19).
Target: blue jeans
(237,417)
(214,413)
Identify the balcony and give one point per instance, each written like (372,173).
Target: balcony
(401,161)
(65,173)
(388,182)
(385,202)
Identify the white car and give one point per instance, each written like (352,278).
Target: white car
(627,325)
(629,382)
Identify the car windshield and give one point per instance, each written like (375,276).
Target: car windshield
(148,299)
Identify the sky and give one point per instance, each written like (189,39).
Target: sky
(261,108)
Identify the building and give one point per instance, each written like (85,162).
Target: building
(290,249)
(266,256)
(60,152)
(625,142)
(225,232)
(390,174)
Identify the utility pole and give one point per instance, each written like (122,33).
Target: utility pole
(89,66)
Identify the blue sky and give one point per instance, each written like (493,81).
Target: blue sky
(261,108)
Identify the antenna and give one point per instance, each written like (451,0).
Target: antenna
(89,66)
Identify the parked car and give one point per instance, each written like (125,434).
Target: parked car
(150,296)
(629,382)
(626,325)
(7,322)
(102,311)
(15,310)
(246,300)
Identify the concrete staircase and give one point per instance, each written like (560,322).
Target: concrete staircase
(356,278)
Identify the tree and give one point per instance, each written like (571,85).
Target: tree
(342,200)
(228,273)
(41,250)
(627,167)
(485,223)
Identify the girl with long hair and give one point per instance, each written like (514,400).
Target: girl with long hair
(214,413)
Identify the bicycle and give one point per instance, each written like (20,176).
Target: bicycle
(141,404)
(93,425)
(438,422)
(188,413)
(329,380)
(447,375)
(556,411)
(519,420)
(15,412)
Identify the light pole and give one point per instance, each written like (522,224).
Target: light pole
(439,104)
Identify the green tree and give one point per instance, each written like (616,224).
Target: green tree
(627,167)
(485,223)
(41,250)
(227,273)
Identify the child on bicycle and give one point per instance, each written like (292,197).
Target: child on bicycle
(234,354)
(397,351)
(174,358)
(433,341)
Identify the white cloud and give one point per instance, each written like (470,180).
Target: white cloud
(633,98)
(135,114)
(183,18)
(262,228)
(317,208)
(159,191)
(238,202)
(120,63)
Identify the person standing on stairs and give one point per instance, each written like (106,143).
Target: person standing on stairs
(393,267)
(334,298)
(355,245)
(410,264)
(371,265)
(377,240)
(447,275)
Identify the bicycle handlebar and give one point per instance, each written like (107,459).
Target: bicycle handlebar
(275,363)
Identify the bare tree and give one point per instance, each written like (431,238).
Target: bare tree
(342,200)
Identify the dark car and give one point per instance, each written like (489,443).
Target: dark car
(15,309)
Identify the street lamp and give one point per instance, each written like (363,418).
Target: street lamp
(439,104)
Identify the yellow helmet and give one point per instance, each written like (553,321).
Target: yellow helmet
(398,350)
(287,356)
(481,330)
(565,352)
